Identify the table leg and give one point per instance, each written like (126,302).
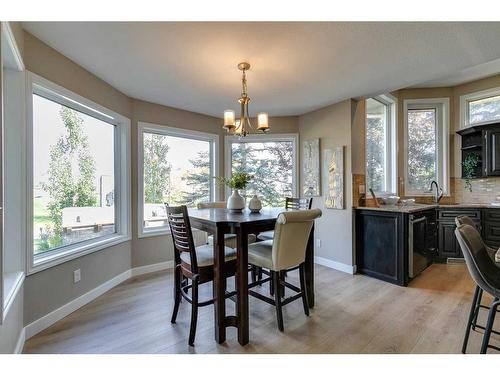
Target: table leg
(219,287)
(309,269)
(242,285)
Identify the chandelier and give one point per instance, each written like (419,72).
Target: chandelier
(242,126)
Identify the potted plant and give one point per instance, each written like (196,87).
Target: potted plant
(470,163)
(237,182)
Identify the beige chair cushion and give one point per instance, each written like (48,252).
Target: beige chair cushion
(230,240)
(264,236)
(205,255)
(260,254)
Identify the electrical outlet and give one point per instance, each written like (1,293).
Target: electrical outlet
(362,189)
(318,242)
(77,276)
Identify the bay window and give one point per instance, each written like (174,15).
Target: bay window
(79,166)
(270,159)
(176,167)
(381,142)
(480,107)
(426,145)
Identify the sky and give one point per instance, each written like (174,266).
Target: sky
(48,126)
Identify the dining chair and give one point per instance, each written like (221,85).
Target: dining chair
(229,238)
(290,204)
(486,275)
(194,263)
(286,252)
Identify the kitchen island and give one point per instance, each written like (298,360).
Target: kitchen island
(395,243)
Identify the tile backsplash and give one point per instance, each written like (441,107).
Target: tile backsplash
(484,190)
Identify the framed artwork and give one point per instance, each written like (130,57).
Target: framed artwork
(334,176)
(311,168)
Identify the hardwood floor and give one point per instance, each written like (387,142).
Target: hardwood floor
(353,314)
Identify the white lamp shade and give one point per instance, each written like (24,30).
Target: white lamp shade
(229,120)
(238,128)
(262,121)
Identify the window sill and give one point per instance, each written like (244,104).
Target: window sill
(12,285)
(44,262)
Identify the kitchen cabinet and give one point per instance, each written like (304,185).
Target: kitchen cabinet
(448,246)
(491,227)
(380,245)
(484,142)
(394,245)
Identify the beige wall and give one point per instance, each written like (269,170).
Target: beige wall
(52,288)
(332,125)
(484,190)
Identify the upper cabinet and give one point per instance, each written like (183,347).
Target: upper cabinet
(480,150)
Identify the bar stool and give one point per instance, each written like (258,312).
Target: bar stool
(286,252)
(486,275)
(193,263)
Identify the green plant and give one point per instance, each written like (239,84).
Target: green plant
(470,163)
(239,180)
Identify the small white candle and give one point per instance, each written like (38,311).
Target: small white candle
(229,119)
(262,122)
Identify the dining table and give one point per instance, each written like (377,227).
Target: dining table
(220,221)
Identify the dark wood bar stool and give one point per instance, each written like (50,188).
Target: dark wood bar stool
(195,264)
(286,252)
(486,275)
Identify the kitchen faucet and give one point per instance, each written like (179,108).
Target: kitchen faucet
(439,192)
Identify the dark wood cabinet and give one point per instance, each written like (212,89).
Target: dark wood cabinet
(380,245)
(448,245)
(484,142)
(491,227)
(492,150)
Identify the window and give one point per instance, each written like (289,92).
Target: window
(426,145)
(381,164)
(176,167)
(79,175)
(480,107)
(271,160)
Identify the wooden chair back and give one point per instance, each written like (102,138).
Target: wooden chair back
(182,237)
(298,203)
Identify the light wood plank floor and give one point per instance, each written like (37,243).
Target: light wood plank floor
(353,314)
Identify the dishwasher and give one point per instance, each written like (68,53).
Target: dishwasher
(422,241)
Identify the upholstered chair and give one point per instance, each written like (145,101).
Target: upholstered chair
(290,204)
(287,251)
(486,275)
(195,264)
(229,238)
(464,219)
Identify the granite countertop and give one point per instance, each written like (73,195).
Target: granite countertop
(422,207)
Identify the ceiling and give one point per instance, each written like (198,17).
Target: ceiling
(296,66)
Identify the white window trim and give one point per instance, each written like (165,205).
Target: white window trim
(175,132)
(290,137)
(122,175)
(443,125)
(391,143)
(467,98)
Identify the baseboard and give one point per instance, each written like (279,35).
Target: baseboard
(136,271)
(46,321)
(20,342)
(335,265)
(56,315)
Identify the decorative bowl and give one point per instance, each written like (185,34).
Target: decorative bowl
(391,200)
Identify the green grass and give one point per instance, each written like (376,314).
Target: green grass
(41,215)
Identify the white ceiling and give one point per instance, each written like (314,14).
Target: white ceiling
(296,67)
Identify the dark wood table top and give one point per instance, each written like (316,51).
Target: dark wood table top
(223,215)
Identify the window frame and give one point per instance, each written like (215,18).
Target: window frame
(146,127)
(391,143)
(285,137)
(442,108)
(472,97)
(122,171)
